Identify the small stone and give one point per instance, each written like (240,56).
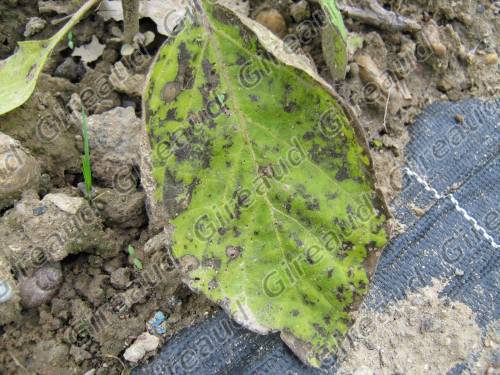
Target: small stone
(445,85)
(37,211)
(459,272)
(459,118)
(34,26)
(127,50)
(5,291)
(70,70)
(273,20)
(70,205)
(439,49)
(431,33)
(41,287)
(465,18)
(143,344)
(491,58)
(300,11)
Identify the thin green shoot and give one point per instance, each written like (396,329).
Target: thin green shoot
(87,171)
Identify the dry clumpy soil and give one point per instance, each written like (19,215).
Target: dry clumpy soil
(105,301)
(423,334)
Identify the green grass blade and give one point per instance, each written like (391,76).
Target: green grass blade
(87,171)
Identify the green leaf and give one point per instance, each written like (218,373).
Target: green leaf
(266,181)
(334,39)
(19,72)
(138,264)
(131,250)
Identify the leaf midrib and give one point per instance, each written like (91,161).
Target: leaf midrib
(244,121)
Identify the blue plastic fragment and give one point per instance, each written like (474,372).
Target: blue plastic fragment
(157,323)
(37,211)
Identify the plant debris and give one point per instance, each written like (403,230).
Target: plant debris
(90,52)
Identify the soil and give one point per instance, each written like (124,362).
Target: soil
(423,334)
(106,300)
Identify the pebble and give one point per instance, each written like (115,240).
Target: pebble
(459,272)
(300,11)
(432,36)
(273,20)
(465,18)
(439,49)
(127,50)
(34,26)
(70,205)
(41,287)
(70,70)
(459,118)
(143,344)
(5,291)
(37,211)
(491,58)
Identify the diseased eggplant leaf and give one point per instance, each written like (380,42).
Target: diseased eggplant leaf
(266,180)
(19,72)
(334,39)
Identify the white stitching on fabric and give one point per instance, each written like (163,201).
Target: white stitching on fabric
(464,213)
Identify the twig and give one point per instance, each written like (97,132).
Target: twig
(376,15)
(16,361)
(58,21)
(386,109)
(130,19)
